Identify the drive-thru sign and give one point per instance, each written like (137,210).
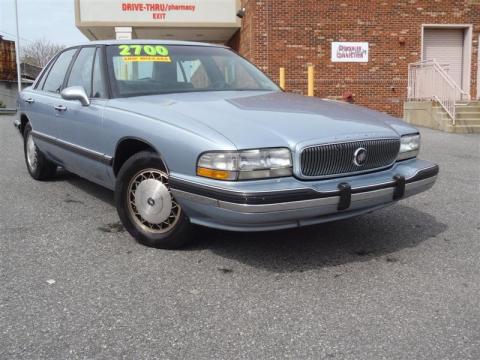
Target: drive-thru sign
(201,20)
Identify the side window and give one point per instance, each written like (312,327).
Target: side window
(55,77)
(81,74)
(98,86)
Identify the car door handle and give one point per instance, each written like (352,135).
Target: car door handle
(29,100)
(61,108)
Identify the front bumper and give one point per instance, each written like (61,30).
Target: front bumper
(288,202)
(17,124)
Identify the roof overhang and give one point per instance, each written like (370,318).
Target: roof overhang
(194,20)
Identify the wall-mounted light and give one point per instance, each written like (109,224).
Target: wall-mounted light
(241,13)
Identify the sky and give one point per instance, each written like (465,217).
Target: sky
(50,19)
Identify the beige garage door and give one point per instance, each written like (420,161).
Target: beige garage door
(445,46)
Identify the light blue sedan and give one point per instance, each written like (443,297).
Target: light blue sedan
(189,133)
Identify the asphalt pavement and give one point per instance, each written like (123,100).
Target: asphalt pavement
(400,283)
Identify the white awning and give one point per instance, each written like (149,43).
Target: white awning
(195,20)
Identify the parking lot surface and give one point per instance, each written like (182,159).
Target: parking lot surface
(400,283)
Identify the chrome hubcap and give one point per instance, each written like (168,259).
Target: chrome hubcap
(150,202)
(31,152)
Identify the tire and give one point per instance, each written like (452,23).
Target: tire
(146,206)
(38,166)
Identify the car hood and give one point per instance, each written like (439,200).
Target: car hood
(267,119)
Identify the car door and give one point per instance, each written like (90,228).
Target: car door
(80,128)
(39,102)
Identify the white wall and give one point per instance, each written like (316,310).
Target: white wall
(8,93)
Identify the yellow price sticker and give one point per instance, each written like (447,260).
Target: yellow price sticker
(146,58)
(142,50)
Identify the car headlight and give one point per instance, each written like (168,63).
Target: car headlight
(409,147)
(245,164)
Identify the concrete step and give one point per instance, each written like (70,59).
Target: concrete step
(462,115)
(468,104)
(460,109)
(441,114)
(467,122)
(474,112)
(458,120)
(468,114)
(432,115)
(463,129)
(474,101)
(467,108)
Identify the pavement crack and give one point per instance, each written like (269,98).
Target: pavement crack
(116,227)
(225,270)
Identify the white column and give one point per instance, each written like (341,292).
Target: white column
(123,32)
(17,50)
(478,71)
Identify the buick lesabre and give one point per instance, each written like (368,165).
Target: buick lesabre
(189,133)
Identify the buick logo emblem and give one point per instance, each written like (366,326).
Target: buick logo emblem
(360,156)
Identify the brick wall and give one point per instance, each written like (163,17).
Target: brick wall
(294,33)
(8,65)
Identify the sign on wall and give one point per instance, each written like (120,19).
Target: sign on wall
(349,51)
(207,12)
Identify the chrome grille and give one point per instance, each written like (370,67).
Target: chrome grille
(337,159)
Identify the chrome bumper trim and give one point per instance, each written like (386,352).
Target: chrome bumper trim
(300,194)
(411,189)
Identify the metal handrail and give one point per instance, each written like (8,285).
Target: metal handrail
(427,80)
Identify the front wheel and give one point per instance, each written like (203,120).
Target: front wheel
(146,206)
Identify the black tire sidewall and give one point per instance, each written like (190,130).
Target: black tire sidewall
(176,237)
(44,168)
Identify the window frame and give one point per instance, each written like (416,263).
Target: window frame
(100,51)
(106,71)
(43,75)
(70,67)
(50,67)
(45,71)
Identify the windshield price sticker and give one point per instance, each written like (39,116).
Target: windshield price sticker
(146,58)
(140,53)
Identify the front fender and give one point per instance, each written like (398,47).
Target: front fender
(179,141)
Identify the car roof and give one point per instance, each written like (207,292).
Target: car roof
(150,41)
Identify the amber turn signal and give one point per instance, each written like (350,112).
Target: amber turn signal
(216,174)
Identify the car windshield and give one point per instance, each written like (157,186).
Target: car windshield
(143,69)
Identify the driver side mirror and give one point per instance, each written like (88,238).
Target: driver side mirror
(76,93)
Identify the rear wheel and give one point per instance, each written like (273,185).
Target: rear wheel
(146,206)
(38,166)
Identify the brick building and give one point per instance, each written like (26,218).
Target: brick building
(377,53)
(8,74)
(292,34)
